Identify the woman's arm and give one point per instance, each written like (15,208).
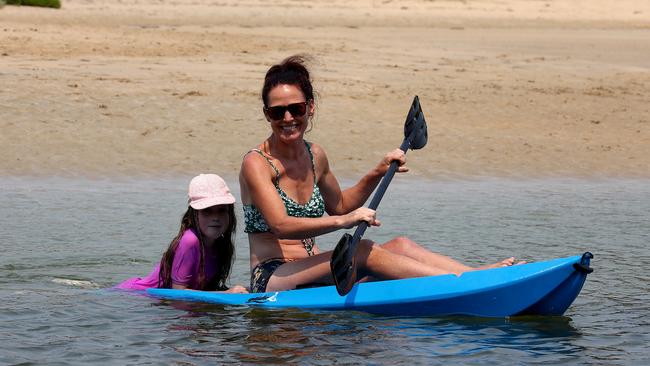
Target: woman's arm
(339,202)
(258,180)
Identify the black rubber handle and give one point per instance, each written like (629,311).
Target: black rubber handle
(583,266)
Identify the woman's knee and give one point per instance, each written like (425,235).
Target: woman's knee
(365,246)
(400,244)
(365,249)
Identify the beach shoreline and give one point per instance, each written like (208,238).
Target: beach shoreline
(509,88)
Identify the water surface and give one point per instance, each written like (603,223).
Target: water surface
(65,240)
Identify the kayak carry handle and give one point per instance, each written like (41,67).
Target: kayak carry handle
(583,266)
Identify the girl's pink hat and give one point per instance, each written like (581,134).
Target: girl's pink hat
(207,190)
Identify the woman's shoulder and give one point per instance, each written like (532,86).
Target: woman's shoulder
(254,161)
(316,149)
(320,157)
(253,155)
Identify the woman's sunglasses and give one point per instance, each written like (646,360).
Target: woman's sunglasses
(277,113)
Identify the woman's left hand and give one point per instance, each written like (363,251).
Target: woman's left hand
(395,155)
(237,289)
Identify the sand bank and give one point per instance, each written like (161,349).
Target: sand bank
(509,88)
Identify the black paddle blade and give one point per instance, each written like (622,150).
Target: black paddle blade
(416,125)
(343,265)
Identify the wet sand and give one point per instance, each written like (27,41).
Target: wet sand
(509,88)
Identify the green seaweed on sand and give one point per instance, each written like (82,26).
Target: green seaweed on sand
(41,3)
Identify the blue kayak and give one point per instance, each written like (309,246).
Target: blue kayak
(540,288)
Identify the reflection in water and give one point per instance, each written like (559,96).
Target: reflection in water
(538,326)
(279,336)
(536,335)
(242,334)
(271,336)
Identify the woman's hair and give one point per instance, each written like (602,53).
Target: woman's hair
(225,253)
(291,71)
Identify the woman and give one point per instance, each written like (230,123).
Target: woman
(200,256)
(287,186)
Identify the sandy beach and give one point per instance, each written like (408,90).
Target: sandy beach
(509,88)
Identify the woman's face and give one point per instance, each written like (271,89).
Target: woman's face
(288,127)
(214,221)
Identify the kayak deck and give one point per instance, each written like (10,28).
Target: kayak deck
(539,288)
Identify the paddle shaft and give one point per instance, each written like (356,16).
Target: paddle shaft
(383,185)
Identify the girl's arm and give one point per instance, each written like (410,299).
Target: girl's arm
(339,202)
(257,178)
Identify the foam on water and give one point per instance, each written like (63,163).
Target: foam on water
(76,283)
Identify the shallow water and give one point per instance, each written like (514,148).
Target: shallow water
(65,240)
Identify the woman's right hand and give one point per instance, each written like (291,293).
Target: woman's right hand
(395,155)
(359,215)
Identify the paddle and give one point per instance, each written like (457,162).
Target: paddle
(343,263)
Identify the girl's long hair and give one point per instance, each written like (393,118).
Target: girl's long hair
(225,253)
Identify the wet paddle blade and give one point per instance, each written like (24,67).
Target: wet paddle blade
(343,265)
(416,126)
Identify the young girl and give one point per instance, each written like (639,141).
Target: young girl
(200,256)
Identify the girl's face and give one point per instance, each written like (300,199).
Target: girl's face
(291,125)
(214,221)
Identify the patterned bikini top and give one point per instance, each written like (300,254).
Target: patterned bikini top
(315,207)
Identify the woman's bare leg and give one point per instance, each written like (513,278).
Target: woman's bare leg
(372,260)
(314,269)
(398,258)
(407,247)
(381,263)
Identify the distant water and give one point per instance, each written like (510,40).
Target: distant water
(64,240)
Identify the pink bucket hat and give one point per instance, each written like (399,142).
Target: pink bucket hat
(207,190)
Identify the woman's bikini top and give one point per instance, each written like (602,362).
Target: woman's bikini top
(315,207)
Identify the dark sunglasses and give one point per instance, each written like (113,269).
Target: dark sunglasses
(277,113)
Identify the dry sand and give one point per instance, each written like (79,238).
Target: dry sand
(509,88)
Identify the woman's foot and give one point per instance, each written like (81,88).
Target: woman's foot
(504,263)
